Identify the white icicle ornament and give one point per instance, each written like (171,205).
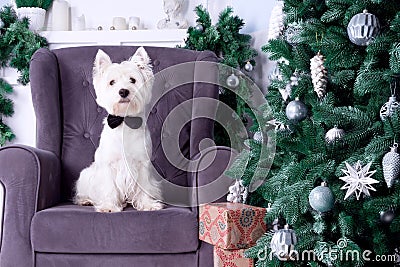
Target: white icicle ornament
(319,75)
(237,192)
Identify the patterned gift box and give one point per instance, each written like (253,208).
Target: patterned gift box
(231,225)
(231,258)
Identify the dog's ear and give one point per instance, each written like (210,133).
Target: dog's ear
(101,62)
(141,58)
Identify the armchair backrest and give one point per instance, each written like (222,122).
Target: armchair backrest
(69,121)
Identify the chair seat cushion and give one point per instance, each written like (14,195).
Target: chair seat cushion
(68,228)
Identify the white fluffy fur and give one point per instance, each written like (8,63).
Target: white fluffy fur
(120,173)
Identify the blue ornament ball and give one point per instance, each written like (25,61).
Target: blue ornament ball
(321,198)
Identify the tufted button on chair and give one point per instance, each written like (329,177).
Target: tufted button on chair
(41,225)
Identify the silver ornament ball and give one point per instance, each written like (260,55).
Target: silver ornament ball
(333,135)
(283,242)
(387,216)
(296,110)
(199,28)
(391,166)
(363,28)
(258,137)
(248,67)
(321,198)
(232,81)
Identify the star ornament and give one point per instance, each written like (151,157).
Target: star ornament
(358,180)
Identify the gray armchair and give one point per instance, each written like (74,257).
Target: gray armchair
(41,226)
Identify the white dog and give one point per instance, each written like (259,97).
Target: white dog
(120,173)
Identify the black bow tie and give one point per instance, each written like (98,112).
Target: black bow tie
(132,122)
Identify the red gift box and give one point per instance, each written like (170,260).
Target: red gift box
(231,258)
(231,225)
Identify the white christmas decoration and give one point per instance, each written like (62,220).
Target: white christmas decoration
(287,91)
(358,179)
(237,192)
(333,135)
(276,25)
(388,108)
(391,165)
(279,126)
(319,75)
(258,136)
(283,242)
(292,33)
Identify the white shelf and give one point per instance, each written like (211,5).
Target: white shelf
(164,38)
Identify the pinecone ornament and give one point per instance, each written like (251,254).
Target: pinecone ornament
(276,25)
(391,165)
(319,75)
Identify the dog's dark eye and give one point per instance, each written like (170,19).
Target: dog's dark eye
(112,82)
(132,80)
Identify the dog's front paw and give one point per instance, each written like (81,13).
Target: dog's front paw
(83,201)
(153,206)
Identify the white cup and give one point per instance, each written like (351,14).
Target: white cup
(78,23)
(134,23)
(119,23)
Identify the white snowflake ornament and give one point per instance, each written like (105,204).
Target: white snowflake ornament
(358,180)
(237,192)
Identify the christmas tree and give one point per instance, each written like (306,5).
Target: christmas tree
(334,179)
(233,49)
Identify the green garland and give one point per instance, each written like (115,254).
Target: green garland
(45,4)
(233,49)
(17,45)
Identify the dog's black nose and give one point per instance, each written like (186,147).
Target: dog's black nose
(123,93)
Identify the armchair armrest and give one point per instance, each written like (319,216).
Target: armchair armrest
(31,180)
(208,175)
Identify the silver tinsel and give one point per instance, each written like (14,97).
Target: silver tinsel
(391,165)
(319,75)
(363,28)
(388,108)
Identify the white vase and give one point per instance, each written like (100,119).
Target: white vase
(36,16)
